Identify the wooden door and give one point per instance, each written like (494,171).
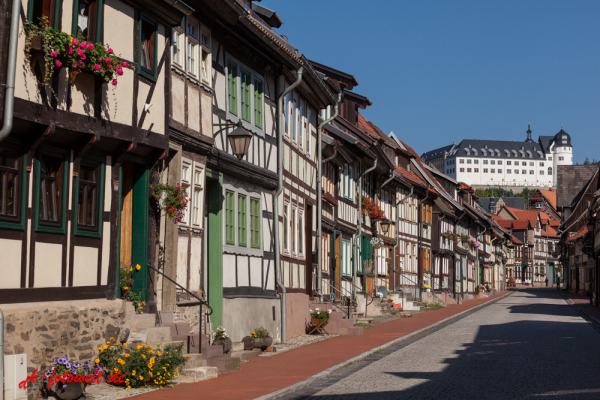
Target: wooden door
(126,213)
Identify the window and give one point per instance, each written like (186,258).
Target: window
(516,171)
(509,163)
(287,113)
(499,171)
(523,163)
(301,233)
(186,170)
(468,169)
(549,158)
(177,49)
(255,223)
(426,214)
(301,124)
(493,170)
(347,182)
(541,172)
(229,217)
(524,172)
(242,223)
(493,162)
(499,162)
(549,170)
(485,162)
(192,47)
(541,163)
(469,161)
(346,257)
(462,170)
(87,20)
(293,230)
(561,158)
(531,163)
(52,187)
(245,95)
(294,119)
(476,169)
(148,45)
(286,211)
(475,161)
(531,172)
(461,161)
(88,197)
(485,170)
(10,182)
(197,196)
(206,58)
(232,86)
(258,103)
(44,8)
(308,130)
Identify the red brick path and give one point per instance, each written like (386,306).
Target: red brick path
(583,303)
(264,375)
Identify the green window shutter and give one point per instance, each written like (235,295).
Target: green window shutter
(242,235)
(245,92)
(232,86)
(255,223)
(258,104)
(229,218)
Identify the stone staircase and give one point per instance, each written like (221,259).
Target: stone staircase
(338,323)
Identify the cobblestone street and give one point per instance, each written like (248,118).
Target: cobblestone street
(531,344)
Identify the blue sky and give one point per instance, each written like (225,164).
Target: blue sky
(438,71)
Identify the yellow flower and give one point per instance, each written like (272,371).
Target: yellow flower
(149,346)
(141,307)
(126,288)
(138,347)
(150,374)
(152,360)
(128,387)
(99,348)
(141,377)
(112,338)
(185,357)
(158,352)
(130,269)
(126,355)
(143,356)
(143,303)
(97,360)
(107,342)
(144,344)
(150,351)
(124,344)
(105,346)
(137,267)
(133,372)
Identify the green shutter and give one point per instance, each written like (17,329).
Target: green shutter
(229,218)
(242,235)
(255,223)
(258,105)
(232,86)
(245,92)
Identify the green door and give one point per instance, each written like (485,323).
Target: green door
(214,241)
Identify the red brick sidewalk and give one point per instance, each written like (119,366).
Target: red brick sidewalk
(264,375)
(583,303)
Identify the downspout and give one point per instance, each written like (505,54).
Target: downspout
(358,247)
(412,189)
(320,162)
(280,124)
(9,99)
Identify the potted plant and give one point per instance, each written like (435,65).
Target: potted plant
(70,390)
(427,288)
(172,199)
(511,281)
(319,317)
(221,338)
(377,242)
(126,282)
(262,339)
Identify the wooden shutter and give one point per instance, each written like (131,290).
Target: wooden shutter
(242,226)
(258,105)
(245,92)
(229,218)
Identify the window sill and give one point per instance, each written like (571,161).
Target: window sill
(90,234)
(18,226)
(50,229)
(248,126)
(242,251)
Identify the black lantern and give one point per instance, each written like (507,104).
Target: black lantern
(590,225)
(239,140)
(385,225)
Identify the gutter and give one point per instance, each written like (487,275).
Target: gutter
(9,99)
(358,248)
(412,189)
(181,6)
(320,162)
(277,252)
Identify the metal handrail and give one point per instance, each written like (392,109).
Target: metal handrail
(333,302)
(419,282)
(202,302)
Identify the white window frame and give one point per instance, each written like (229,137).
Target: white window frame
(300,229)
(309,130)
(195,200)
(205,55)
(178,49)
(187,173)
(192,42)
(301,123)
(294,234)
(286,223)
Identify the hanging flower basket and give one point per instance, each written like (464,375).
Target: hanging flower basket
(171,199)
(377,242)
(372,209)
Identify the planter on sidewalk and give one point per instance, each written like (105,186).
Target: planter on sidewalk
(226,343)
(70,391)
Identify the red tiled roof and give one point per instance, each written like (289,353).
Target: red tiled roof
(496,217)
(517,224)
(550,232)
(550,195)
(410,176)
(466,187)
(266,32)
(515,240)
(579,234)
(366,127)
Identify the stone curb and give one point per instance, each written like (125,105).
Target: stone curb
(301,385)
(572,303)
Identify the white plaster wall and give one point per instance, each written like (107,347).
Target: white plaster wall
(229,270)
(256,272)
(242,316)
(195,263)
(193,108)
(48,262)
(11,263)
(178,98)
(105,252)
(85,266)
(182,252)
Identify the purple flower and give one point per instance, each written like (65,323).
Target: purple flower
(63,360)
(54,359)
(68,365)
(64,386)
(49,373)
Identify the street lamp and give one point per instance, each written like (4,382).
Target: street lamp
(385,225)
(239,140)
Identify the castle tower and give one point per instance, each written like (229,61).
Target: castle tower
(562,151)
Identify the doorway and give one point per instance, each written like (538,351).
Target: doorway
(133,242)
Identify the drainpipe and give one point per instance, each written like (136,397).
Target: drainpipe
(320,163)
(9,99)
(412,189)
(358,247)
(280,124)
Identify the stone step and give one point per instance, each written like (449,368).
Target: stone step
(194,361)
(246,355)
(223,363)
(197,374)
(150,335)
(141,321)
(184,349)
(239,346)
(209,352)
(364,320)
